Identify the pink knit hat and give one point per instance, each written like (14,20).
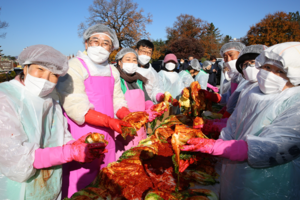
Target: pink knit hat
(170,57)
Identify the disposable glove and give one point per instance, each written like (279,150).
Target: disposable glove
(215,97)
(122,112)
(235,150)
(98,119)
(148,104)
(152,114)
(226,115)
(215,89)
(77,150)
(223,110)
(160,97)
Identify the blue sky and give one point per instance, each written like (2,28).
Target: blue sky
(55,22)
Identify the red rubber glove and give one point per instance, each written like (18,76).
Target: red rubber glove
(122,112)
(83,152)
(236,150)
(223,110)
(215,97)
(98,119)
(160,97)
(226,115)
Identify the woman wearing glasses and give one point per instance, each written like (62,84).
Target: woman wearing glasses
(91,96)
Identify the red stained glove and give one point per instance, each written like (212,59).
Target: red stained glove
(175,102)
(122,112)
(98,119)
(160,97)
(223,110)
(236,150)
(226,115)
(152,114)
(83,152)
(215,97)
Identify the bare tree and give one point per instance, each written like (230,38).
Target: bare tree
(3,24)
(120,15)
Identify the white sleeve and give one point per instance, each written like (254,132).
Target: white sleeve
(156,85)
(119,97)
(279,142)
(225,97)
(72,93)
(16,152)
(186,78)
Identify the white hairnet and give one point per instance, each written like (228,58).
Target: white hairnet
(125,51)
(237,46)
(249,53)
(285,56)
(45,56)
(101,28)
(195,64)
(206,63)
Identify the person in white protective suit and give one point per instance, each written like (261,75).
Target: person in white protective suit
(261,142)
(230,52)
(203,76)
(225,80)
(187,76)
(35,140)
(170,80)
(245,65)
(145,49)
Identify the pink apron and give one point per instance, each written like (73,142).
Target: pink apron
(76,176)
(136,102)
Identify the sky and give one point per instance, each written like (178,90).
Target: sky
(55,22)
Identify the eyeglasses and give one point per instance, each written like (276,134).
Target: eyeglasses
(145,52)
(95,42)
(247,64)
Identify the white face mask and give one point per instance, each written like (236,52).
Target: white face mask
(130,68)
(98,54)
(232,69)
(270,83)
(227,76)
(170,66)
(144,59)
(250,73)
(38,86)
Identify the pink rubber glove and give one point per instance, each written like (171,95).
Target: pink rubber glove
(152,114)
(148,104)
(160,97)
(236,150)
(215,89)
(53,156)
